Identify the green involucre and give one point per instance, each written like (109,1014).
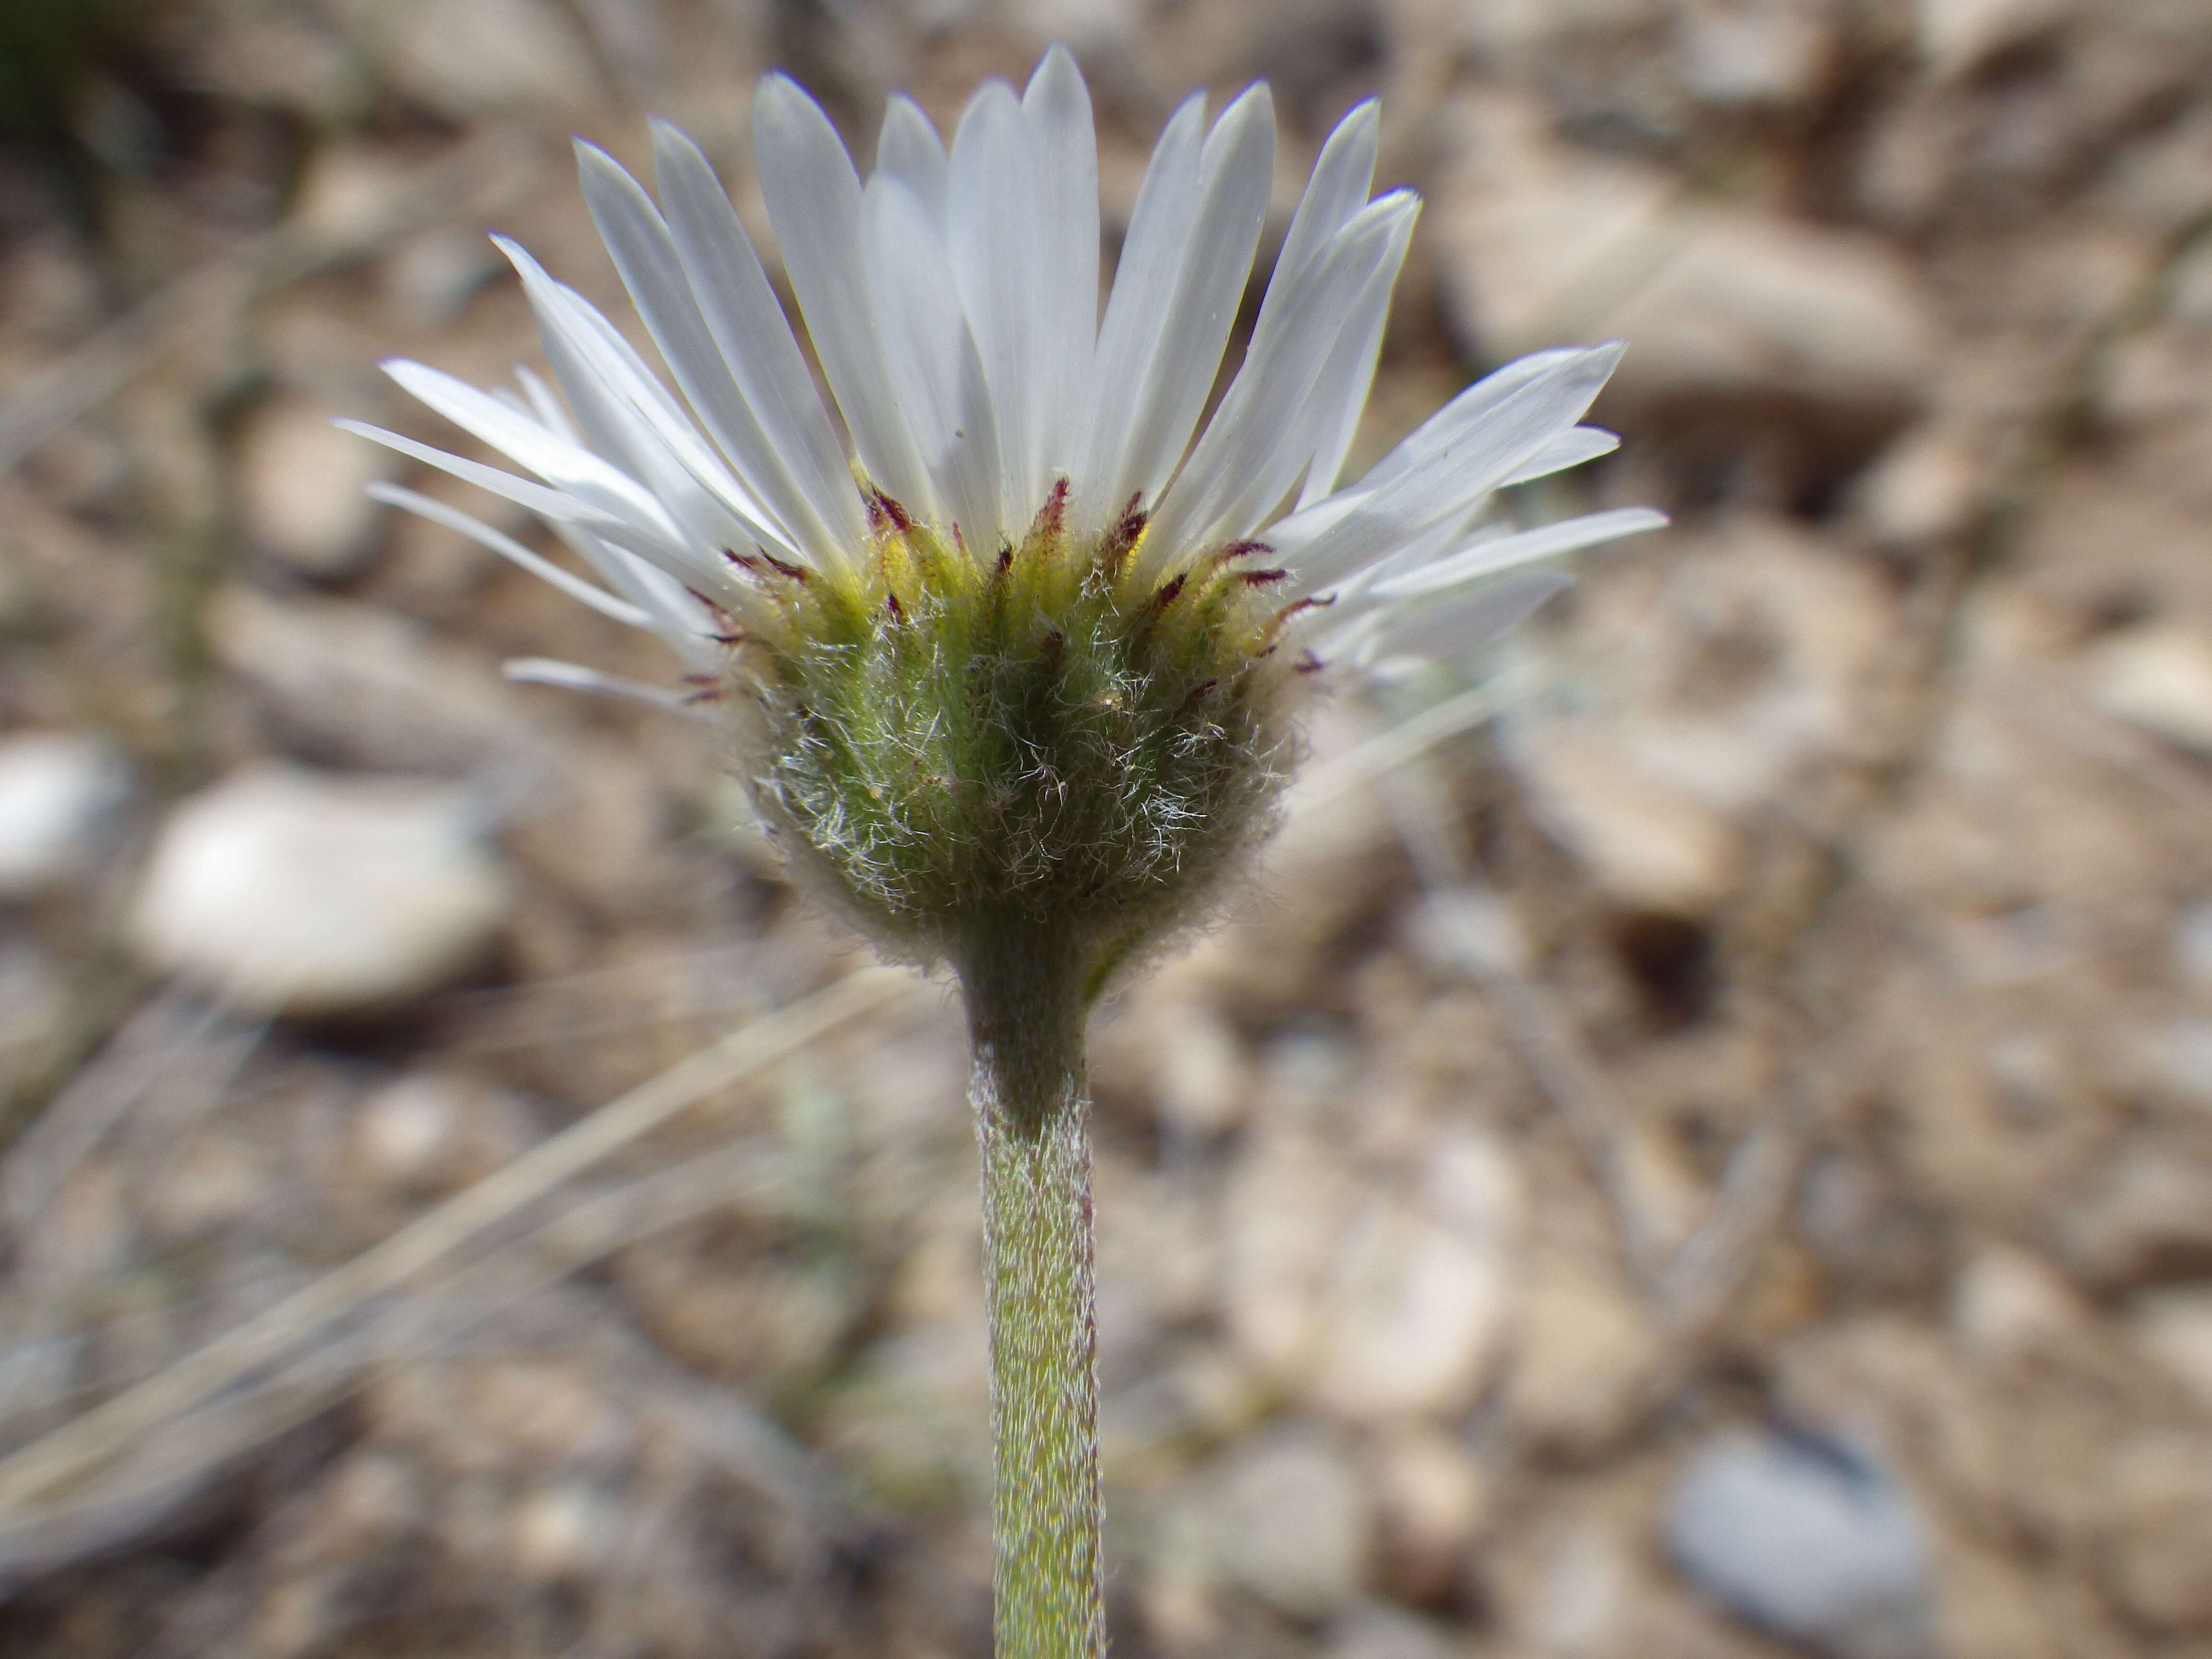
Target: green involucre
(1044,740)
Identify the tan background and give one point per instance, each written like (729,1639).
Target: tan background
(1796,1005)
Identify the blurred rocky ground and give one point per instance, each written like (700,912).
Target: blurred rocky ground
(1714,1159)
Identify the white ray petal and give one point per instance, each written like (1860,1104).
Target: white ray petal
(1340,390)
(654,539)
(994,208)
(1423,548)
(1056,107)
(909,150)
(1468,458)
(755,337)
(1183,271)
(569,467)
(1145,283)
(814,202)
(626,414)
(1324,425)
(1467,411)
(1488,558)
(1455,462)
(935,369)
(645,253)
(673,606)
(574,676)
(544,404)
(427,506)
(1570,448)
(1445,628)
(1264,432)
(1342,176)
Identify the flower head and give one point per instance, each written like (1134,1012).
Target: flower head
(1006,640)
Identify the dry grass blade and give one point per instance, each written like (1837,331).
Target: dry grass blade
(149,1476)
(83,1445)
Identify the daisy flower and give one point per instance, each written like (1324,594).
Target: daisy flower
(1004,626)
(995,443)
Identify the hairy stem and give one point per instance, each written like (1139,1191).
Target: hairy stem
(1026,1006)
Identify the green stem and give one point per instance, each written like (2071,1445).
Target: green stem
(1026,1007)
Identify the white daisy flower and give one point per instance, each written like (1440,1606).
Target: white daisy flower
(952,302)
(1005,635)
(982,409)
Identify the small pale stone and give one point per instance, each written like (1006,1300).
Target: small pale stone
(401,1131)
(2006,1305)
(288,892)
(2158,676)
(1372,1300)
(436,1130)
(1418,1318)
(1582,1600)
(563,1529)
(1774,54)
(1648,844)
(56,788)
(303,486)
(1431,1504)
(1806,1537)
(1956,35)
(2156,1489)
(1468,932)
(2192,944)
(352,196)
(370,687)
(467,57)
(2173,1325)
(1721,302)
(1692,693)
(2181,1053)
(1378,1630)
(1925,486)
(1201,1081)
(1582,1347)
(1291,1522)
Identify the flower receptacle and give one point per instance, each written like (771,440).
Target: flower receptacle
(962,751)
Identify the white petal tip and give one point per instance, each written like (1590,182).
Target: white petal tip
(573,676)
(517,255)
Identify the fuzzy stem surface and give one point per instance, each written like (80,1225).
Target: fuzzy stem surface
(1027,1003)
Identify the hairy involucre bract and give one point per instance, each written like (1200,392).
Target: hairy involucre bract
(1045,740)
(1005,644)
